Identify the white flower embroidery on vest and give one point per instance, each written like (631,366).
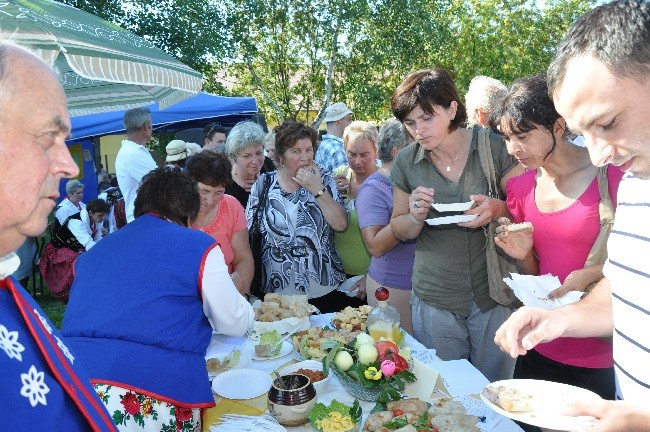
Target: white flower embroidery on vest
(64,349)
(34,387)
(9,343)
(44,321)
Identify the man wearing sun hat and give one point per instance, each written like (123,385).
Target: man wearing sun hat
(331,154)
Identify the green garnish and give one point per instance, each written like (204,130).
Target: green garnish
(320,411)
(396,423)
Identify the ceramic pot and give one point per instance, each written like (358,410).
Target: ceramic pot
(291,398)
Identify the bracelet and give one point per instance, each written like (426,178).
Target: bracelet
(320,193)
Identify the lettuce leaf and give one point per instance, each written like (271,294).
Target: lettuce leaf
(271,337)
(321,411)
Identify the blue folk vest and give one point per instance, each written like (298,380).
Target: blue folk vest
(135,315)
(43,384)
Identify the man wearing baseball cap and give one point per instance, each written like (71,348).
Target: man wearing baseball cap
(331,154)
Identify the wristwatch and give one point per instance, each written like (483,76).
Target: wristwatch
(320,193)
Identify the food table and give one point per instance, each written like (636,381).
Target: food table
(458,379)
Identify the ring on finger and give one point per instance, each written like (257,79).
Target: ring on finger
(415,204)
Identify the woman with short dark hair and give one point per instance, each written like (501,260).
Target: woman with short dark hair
(222,216)
(452,308)
(142,304)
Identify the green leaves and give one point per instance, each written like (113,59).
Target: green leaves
(321,411)
(280,52)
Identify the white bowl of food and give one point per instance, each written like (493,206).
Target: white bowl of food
(313,369)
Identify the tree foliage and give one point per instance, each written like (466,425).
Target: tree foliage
(297,56)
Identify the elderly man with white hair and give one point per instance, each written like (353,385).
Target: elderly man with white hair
(43,386)
(483,93)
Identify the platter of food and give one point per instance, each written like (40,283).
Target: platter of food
(313,343)
(285,349)
(415,414)
(537,402)
(352,319)
(335,417)
(281,313)
(222,359)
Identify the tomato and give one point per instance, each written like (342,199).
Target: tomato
(398,412)
(384,348)
(400,363)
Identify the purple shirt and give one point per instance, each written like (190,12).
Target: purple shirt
(374,205)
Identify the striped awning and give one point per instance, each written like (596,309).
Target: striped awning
(102,67)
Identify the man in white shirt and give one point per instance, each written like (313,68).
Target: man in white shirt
(133,160)
(600,83)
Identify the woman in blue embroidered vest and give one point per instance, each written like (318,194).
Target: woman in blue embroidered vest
(142,332)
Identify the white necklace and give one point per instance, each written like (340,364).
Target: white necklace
(203,225)
(453,161)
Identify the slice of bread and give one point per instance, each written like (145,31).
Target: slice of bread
(520,226)
(509,399)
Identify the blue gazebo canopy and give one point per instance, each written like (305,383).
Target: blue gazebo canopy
(193,112)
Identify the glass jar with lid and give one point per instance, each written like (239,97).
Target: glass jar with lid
(383,319)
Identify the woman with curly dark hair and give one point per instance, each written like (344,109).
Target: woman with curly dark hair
(301,211)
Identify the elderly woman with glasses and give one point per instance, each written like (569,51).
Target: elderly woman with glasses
(245,149)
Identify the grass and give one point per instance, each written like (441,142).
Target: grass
(52,307)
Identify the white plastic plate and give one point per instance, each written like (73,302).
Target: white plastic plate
(453,207)
(451,219)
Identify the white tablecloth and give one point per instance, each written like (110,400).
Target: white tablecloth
(461,379)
